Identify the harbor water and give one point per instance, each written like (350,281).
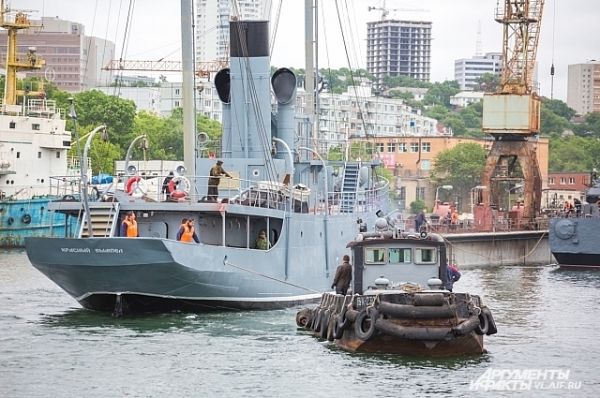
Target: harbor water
(547,345)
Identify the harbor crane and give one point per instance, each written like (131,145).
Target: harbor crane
(14,62)
(511,115)
(386,11)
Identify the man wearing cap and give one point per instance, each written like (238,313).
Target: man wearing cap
(213,182)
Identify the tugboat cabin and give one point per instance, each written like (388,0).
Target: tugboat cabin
(389,259)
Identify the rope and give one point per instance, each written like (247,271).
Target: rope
(225,262)
(516,260)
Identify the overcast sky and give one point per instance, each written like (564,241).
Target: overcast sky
(570,31)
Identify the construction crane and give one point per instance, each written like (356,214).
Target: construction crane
(386,11)
(511,115)
(203,69)
(14,63)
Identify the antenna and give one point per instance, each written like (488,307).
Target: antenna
(478,45)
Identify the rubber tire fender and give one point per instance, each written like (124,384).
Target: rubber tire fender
(484,324)
(364,315)
(492,329)
(324,323)
(26,219)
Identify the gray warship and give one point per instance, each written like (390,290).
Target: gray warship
(573,236)
(309,207)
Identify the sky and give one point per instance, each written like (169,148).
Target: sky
(569,31)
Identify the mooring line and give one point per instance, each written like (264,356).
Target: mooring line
(225,262)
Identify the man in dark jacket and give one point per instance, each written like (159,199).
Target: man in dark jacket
(453,275)
(343,276)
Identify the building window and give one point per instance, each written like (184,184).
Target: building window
(177,104)
(18,155)
(176,91)
(414,147)
(402,147)
(57,154)
(420,193)
(426,147)
(571,180)
(425,164)
(551,181)
(35,126)
(379,147)
(12,125)
(391,147)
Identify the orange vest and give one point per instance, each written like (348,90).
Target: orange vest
(188,234)
(131,228)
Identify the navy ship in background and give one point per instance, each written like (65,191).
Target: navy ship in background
(575,238)
(309,208)
(33,146)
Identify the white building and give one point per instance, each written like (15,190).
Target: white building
(468,70)
(145,98)
(583,87)
(212,24)
(465,98)
(207,99)
(358,113)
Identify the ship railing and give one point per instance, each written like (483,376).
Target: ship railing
(472,226)
(267,194)
(69,186)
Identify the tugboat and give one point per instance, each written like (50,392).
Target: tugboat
(401,303)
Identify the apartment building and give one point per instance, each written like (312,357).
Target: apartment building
(583,87)
(468,70)
(399,48)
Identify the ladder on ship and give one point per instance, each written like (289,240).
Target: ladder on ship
(103,218)
(349,187)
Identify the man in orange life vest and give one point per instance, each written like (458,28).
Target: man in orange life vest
(129,226)
(187,232)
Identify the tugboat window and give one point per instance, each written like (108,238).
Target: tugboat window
(375,255)
(397,255)
(425,256)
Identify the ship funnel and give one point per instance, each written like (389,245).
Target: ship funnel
(223,86)
(284,87)
(249,126)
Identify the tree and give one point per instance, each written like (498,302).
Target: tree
(488,82)
(461,166)
(573,154)
(558,107)
(440,93)
(417,206)
(95,108)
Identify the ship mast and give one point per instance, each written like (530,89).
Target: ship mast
(13,65)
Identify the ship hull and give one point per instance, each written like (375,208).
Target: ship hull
(156,275)
(30,218)
(574,242)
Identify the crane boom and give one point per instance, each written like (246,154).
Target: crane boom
(203,69)
(521,20)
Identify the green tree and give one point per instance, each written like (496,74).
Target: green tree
(461,166)
(440,93)
(95,108)
(573,154)
(558,107)
(488,82)
(417,206)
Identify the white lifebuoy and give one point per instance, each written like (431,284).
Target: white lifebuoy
(179,183)
(136,186)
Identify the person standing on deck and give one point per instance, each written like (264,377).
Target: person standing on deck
(129,226)
(419,221)
(165,184)
(453,275)
(187,232)
(343,276)
(215,178)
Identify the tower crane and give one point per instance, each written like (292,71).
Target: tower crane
(386,11)
(511,115)
(203,69)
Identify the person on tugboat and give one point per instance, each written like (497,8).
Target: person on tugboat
(343,276)
(453,276)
